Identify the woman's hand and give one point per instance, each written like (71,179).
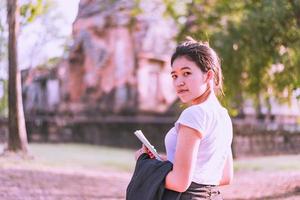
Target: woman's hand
(142,150)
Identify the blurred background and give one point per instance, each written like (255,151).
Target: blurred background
(94,71)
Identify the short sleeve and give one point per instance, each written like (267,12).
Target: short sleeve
(193,117)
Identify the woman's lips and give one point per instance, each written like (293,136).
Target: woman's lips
(181,91)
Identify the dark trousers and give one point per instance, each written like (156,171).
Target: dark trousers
(201,192)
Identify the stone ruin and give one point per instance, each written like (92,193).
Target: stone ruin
(115,78)
(118,63)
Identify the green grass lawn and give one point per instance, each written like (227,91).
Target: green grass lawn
(74,157)
(92,157)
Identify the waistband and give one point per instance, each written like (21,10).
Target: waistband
(201,191)
(194,184)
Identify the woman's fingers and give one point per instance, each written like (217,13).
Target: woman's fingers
(139,152)
(151,155)
(142,150)
(148,151)
(144,147)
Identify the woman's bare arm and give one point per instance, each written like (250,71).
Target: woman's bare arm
(180,178)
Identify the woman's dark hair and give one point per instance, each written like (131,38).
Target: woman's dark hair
(204,57)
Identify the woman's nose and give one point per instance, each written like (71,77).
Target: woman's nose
(179,83)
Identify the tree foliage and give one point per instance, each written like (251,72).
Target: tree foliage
(257,40)
(29,12)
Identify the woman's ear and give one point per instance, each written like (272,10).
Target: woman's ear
(210,74)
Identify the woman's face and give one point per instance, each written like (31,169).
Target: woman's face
(189,81)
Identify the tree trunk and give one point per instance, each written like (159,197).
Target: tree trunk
(17,139)
(259,114)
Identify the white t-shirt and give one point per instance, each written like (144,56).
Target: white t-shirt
(213,122)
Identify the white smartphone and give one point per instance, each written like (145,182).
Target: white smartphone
(139,134)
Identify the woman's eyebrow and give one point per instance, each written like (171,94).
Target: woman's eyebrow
(183,68)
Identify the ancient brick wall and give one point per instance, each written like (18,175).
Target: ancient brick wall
(118,131)
(259,139)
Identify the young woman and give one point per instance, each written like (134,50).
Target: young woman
(199,145)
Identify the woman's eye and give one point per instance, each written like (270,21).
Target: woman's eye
(186,73)
(174,76)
